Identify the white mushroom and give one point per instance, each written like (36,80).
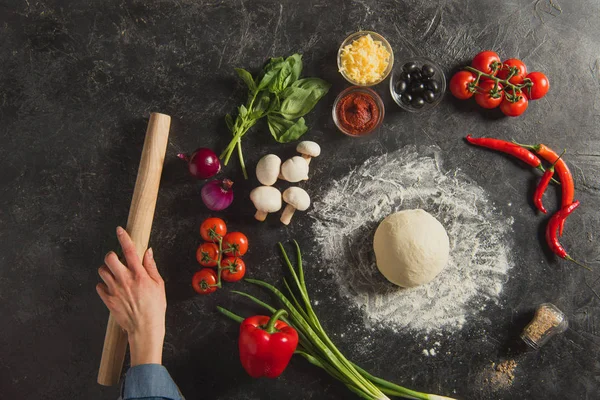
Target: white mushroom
(267,169)
(266,199)
(294,170)
(296,199)
(308,150)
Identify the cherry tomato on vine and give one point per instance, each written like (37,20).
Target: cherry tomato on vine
(203,280)
(516,108)
(234,269)
(486,61)
(488,96)
(461,83)
(513,64)
(207,254)
(540,85)
(212,228)
(235,244)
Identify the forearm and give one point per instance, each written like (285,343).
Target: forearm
(146,348)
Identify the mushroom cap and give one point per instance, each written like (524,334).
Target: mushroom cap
(297,197)
(267,169)
(295,169)
(266,199)
(309,148)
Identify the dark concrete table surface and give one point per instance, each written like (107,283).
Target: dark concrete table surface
(77,83)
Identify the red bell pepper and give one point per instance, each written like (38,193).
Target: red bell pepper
(266,345)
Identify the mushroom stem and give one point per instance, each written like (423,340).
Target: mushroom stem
(260,215)
(307,158)
(287,214)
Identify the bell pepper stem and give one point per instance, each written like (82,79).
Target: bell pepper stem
(270,328)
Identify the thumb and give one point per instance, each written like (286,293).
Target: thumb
(150,265)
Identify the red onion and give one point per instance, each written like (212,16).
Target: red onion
(217,195)
(202,163)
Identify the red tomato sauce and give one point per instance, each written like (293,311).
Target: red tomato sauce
(357,113)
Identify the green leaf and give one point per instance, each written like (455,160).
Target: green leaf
(316,85)
(295,61)
(274,63)
(243,111)
(297,102)
(279,83)
(247,78)
(274,104)
(263,103)
(270,72)
(261,106)
(301,98)
(229,122)
(280,73)
(285,131)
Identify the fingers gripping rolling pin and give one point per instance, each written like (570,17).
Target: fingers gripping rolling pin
(139,224)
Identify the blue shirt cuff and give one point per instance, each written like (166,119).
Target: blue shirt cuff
(149,381)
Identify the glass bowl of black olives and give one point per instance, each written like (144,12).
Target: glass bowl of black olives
(417,84)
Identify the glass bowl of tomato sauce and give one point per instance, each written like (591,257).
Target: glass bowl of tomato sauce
(358,111)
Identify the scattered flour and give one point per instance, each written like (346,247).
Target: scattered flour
(346,218)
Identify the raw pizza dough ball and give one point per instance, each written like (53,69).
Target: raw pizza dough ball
(411,247)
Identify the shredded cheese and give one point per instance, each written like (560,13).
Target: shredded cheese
(364,60)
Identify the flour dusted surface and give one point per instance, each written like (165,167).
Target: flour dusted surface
(347,215)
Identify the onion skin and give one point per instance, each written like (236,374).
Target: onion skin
(217,195)
(203,163)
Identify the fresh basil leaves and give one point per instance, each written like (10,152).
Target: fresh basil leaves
(279,94)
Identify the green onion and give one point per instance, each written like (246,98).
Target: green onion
(316,347)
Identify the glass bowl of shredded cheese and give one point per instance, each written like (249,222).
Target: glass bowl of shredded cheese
(365,58)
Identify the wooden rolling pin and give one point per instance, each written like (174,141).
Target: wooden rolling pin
(139,225)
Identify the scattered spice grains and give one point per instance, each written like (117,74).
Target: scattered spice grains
(547,322)
(501,375)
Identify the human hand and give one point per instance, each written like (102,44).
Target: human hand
(135,295)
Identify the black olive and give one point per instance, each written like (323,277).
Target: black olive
(404,76)
(428,70)
(401,87)
(429,96)
(416,75)
(406,98)
(417,87)
(417,102)
(434,86)
(410,66)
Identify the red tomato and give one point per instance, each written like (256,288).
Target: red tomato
(203,281)
(540,85)
(213,228)
(487,62)
(207,254)
(514,108)
(235,244)
(513,65)
(461,84)
(488,96)
(235,269)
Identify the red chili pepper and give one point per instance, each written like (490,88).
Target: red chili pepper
(553,225)
(566,178)
(543,185)
(266,345)
(509,148)
(541,189)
